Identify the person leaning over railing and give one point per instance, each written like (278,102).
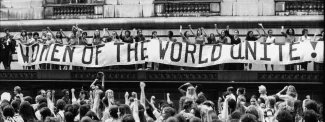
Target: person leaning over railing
(251,37)
(289,38)
(223,40)
(7,48)
(269,39)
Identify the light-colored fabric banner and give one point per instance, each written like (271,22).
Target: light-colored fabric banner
(172,53)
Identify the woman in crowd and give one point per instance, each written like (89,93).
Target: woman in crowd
(289,39)
(199,36)
(234,41)
(97,40)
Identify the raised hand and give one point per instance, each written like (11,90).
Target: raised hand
(168,94)
(142,84)
(126,95)
(72,90)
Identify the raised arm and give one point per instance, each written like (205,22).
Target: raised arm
(216,27)
(135,111)
(126,98)
(191,30)
(204,33)
(73,95)
(168,99)
(63,34)
(282,31)
(53,95)
(121,34)
(259,34)
(261,25)
(142,94)
(48,28)
(181,90)
(93,83)
(180,31)
(103,81)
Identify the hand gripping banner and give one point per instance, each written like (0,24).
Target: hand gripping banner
(172,53)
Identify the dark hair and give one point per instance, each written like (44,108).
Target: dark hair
(23,31)
(252,110)
(303,32)
(230,89)
(200,98)
(297,107)
(310,116)
(124,109)
(187,104)
(68,117)
(284,116)
(45,112)
(127,31)
(29,33)
(250,38)
(27,111)
(236,115)
(113,111)
(138,31)
(170,34)
(262,100)
(83,110)
(60,35)
(86,119)
(311,105)
(8,111)
(169,111)
(92,115)
(60,104)
(35,34)
(153,33)
(128,118)
(180,118)
(248,118)
(15,104)
(185,33)
(41,105)
(231,105)
(293,31)
(84,33)
(64,91)
(241,90)
(6,29)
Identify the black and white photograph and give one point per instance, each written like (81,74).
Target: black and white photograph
(161,60)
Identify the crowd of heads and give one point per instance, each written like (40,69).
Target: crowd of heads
(99,104)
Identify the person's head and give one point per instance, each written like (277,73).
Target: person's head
(68,116)
(84,109)
(8,111)
(304,32)
(48,36)
(109,94)
(6,30)
(291,91)
(248,118)
(86,119)
(42,92)
(311,105)
(199,32)
(223,33)
(154,34)
(15,104)
(127,33)
(82,94)
(171,119)
(180,118)
(310,116)
(30,35)
(260,100)
(23,33)
(188,105)
(96,34)
(65,92)
(170,34)
(297,106)
(270,32)
(17,90)
(262,89)
(58,35)
(124,109)
(92,115)
(284,116)
(271,102)
(236,115)
(84,35)
(253,101)
(128,118)
(230,89)
(28,99)
(186,34)
(113,111)
(168,112)
(200,98)
(252,110)
(45,112)
(290,31)
(60,104)
(212,35)
(26,111)
(139,32)
(250,34)
(195,119)
(241,91)
(115,35)
(191,90)
(35,35)
(231,105)
(236,32)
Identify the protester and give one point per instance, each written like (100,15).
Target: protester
(289,39)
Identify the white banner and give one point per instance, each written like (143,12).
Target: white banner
(177,53)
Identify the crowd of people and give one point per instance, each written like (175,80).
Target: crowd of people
(81,37)
(99,104)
